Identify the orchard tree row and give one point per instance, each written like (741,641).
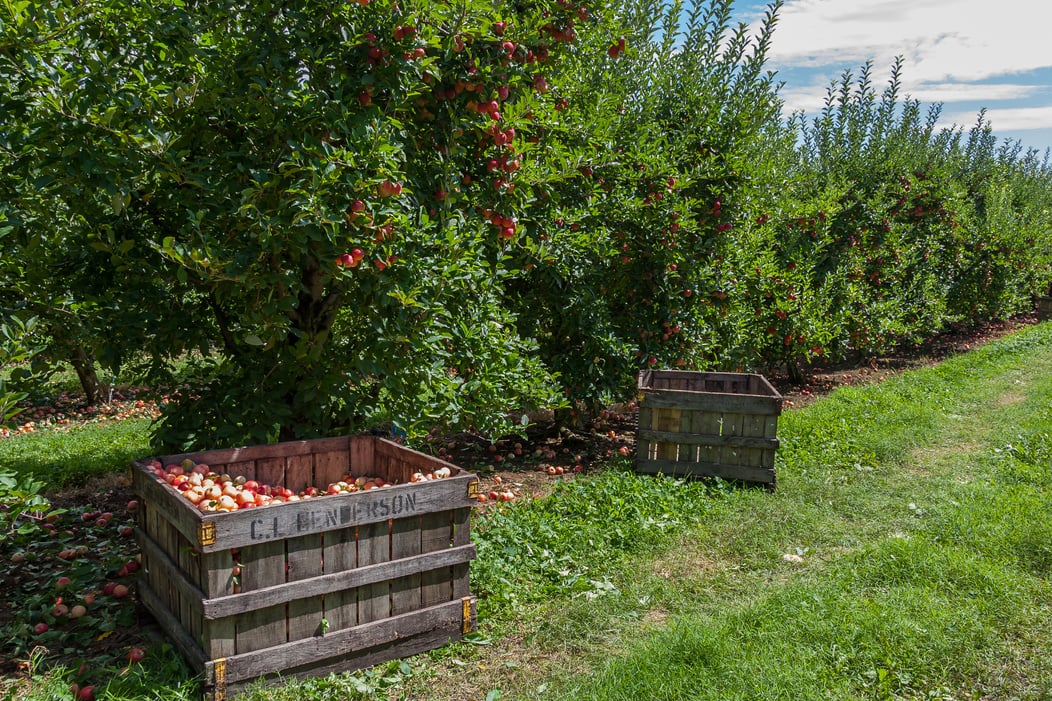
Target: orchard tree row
(448,213)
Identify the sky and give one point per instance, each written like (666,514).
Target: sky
(964,54)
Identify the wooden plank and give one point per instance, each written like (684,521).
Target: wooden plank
(189,604)
(374,547)
(709,439)
(225,456)
(170,544)
(218,637)
(180,512)
(269,470)
(399,648)
(737,403)
(648,378)
(330,467)
(700,469)
(667,421)
(152,529)
(183,642)
(339,557)
(405,543)
(731,453)
(262,566)
(686,451)
(334,581)
(645,449)
(289,656)
(436,535)
(286,520)
(754,425)
(360,454)
(165,574)
(390,449)
(304,562)
(461,539)
(299,472)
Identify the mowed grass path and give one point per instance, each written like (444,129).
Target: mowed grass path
(906,554)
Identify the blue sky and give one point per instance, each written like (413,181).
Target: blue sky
(965,54)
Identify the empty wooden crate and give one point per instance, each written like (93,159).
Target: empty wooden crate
(707,424)
(312,586)
(1043,308)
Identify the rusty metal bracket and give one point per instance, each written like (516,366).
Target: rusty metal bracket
(220,680)
(206,533)
(468,623)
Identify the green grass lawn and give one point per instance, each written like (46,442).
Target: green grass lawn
(906,554)
(69,457)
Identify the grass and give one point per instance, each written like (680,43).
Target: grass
(905,555)
(63,458)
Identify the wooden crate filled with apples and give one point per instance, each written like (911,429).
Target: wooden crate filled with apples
(304,558)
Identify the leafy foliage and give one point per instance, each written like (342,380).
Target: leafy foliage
(451,213)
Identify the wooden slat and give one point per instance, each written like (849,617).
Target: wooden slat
(436,535)
(218,637)
(700,469)
(226,456)
(244,468)
(310,651)
(645,449)
(461,539)
(330,467)
(165,574)
(299,472)
(667,421)
(336,581)
(340,558)
(262,566)
(269,470)
(737,403)
(709,439)
(405,543)
(182,640)
(374,547)
(170,544)
(399,648)
(304,563)
(290,519)
(360,454)
(169,505)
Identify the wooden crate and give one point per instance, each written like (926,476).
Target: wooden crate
(327,584)
(1043,308)
(707,424)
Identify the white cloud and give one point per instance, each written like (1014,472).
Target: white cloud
(810,97)
(972,92)
(1004,119)
(941,40)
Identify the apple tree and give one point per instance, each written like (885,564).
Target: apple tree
(312,186)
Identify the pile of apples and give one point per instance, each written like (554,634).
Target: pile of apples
(209,491)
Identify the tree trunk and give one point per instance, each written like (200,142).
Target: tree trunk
(84,365)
